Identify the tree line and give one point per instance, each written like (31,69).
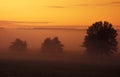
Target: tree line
(100,39)
(49,45)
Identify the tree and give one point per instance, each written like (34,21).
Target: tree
(18,45)
(101,39)
(52,45)
(46,46)
(58,47)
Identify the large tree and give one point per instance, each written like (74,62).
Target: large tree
(52,45)
(18,45)
(101,39)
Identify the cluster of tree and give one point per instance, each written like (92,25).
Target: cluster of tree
(100,40)
(49,45)
(18,45)
(52,45)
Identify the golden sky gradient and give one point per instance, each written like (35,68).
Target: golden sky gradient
(58,12)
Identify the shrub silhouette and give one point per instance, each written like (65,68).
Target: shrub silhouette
(52,45)
(101,39)
(18,45)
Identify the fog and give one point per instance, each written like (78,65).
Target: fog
(72,40)
(72,62)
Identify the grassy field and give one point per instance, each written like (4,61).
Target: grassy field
(58,65)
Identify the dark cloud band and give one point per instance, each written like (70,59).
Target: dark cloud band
(100,4)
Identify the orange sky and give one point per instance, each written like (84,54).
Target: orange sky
(58,12)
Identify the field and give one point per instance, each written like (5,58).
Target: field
(58,65)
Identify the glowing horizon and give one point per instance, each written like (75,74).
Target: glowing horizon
(60,12)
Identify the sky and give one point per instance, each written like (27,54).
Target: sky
(15,13)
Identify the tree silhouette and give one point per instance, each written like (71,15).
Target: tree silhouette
(52,45)
(101,39)
(46,46)
(18,45)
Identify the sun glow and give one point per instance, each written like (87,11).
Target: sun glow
(60,12)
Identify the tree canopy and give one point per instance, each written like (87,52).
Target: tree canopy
(18,45)
(101,39)
(52,45)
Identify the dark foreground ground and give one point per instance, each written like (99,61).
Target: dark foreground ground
(59,66)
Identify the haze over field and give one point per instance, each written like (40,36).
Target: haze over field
(72,39)
(73,62)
